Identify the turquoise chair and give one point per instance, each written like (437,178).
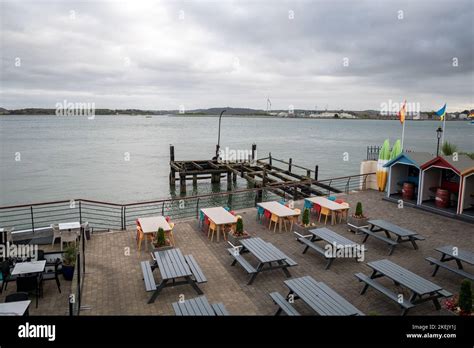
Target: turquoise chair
(308,204)
(260,212)
(332,198)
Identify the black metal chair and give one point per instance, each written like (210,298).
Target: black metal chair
(29,284)
(6,275)
(53,275)
(18,296)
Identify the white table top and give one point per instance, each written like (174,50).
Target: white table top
(277,209)
(153,223)
(69,226)
(14,308)
(219,215)
(29,267)
(326,203)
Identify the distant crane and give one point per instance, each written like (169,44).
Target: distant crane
(269,105)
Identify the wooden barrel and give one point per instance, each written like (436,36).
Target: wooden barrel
(442,198)
(408,190)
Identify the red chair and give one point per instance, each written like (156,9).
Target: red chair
(267,214)
(339,201)
(316,209)
(232,212)
(167,219)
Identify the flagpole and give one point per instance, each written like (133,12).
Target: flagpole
(403,133)
(444,127)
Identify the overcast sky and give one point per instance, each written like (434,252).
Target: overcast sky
(163,54)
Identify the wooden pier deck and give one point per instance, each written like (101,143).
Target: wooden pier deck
(260,173)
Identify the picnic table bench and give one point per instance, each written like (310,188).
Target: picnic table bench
(402,235)
(283,305)
(172,265)
(332,238)
(319,297)
(199,306)
(450,253)
(268,256)
(422,290)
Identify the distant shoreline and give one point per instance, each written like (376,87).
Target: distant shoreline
(391,118)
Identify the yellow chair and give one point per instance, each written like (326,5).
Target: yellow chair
(212,229)
(326,212)
(274,219)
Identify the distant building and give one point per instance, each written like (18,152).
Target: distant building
(463,116)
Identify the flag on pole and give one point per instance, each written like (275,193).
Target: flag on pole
(442,116)
(402,112)
(442,112)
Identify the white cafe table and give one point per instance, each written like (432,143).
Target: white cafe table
(17,308)
(152,224)
(29,267)
(67,226)
(220,217)
(279,210)
(328,204)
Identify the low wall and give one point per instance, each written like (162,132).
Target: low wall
(369,167)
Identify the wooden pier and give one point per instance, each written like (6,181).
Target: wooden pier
(261,173)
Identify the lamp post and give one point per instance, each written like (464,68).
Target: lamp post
(219,136)
(439,133)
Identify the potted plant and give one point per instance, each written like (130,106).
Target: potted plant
(161,242)
(462,304)
(305,219)
(239,233)
(69,262)
(358,219)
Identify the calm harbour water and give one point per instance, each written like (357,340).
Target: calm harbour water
(45,158)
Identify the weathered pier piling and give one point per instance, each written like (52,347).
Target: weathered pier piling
(260,173)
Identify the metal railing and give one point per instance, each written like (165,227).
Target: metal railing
(113,216)
(373,152)
(75,294)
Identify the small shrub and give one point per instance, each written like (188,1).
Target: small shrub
(306,217)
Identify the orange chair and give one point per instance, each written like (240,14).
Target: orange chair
(212,229)
(141,236)
(170,234)
(293,219)
(326,212)
(343,213)
(274,219)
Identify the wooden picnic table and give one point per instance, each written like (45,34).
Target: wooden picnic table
(332,238)
(328,204)
(220,217)
(199,306)
(452,253)
(172,265)
(402,235)
(319,297)
(151,224)
(422,290)
(16,308)
(268,256)
(279,210)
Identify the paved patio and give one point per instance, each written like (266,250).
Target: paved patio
(114,284)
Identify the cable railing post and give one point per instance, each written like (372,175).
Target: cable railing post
(32,219)
(197,208)
(124,217)
(163,209)
(347,184)
(78,282)
(80,213)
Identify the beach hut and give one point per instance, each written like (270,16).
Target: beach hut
(404,175)
(443,186)
(466,206)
